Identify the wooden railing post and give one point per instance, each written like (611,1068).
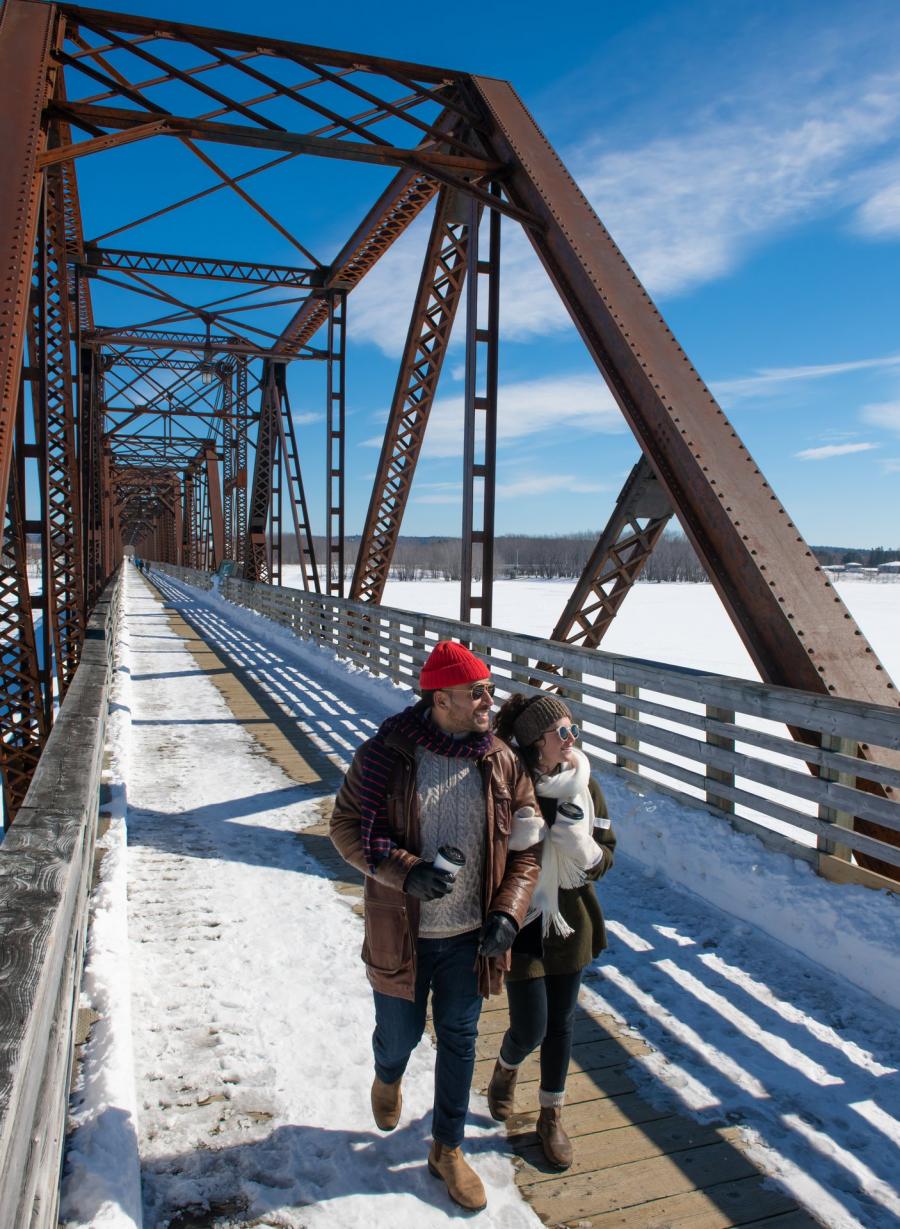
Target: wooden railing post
(721,775)
(632,714)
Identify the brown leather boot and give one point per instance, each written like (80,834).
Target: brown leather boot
(556,1144)
(386,1102)
(463,1183)
(501,1093)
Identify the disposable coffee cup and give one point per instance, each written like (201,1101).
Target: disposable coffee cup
(569,813)
(450,859)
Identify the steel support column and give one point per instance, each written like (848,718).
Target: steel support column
(25,37)
(480,428)
(257,565)
(55,427)
(434,310)
(23,718)
(641,514)
(214,498)
(335,441)
(287,446)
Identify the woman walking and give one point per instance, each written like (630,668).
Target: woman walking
(564,931)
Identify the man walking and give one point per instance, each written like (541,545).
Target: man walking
(434,776)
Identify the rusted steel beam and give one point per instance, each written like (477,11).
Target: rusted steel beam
(55,409)
(96,145)
(214,496)
(23,720)
(335,437)
(397,208)
(233,41)
(96,119)
(26,31)
(257,564)
(434,310)
(480,423)
(793,623)
(207,267)
(637,522)
(795,627)
(149,339)
(290,454)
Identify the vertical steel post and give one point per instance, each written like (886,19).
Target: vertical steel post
(335,441)
(480,426)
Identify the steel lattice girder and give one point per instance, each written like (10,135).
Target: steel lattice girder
(206,267)
(637,522)
(434,310)
(23,710)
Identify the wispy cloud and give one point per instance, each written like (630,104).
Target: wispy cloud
(885,414)
(685,209)
(546,484)
(773,380)
(827,451)
(307,417)
(563,404)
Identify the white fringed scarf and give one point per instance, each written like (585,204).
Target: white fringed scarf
(558,870)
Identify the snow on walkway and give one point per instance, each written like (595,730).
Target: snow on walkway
(252,1014)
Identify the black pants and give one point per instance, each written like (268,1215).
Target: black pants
(542,1012)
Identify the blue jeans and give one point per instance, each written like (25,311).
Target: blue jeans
(446,967)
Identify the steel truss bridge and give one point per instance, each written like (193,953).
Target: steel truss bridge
(166,426)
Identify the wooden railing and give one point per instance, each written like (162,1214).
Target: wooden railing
(46,860)
(714,741)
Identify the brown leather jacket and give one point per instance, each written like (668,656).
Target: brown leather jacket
(392,917)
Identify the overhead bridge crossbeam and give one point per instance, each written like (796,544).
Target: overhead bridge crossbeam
(214,404)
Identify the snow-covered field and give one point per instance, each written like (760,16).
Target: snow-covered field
(250,1013)
(682,625)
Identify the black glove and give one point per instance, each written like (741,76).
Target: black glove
(426,882)
(497,934)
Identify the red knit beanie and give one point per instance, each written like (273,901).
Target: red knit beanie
(450,665)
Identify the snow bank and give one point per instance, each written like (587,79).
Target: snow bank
(848,929)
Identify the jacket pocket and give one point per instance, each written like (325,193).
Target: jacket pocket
(387,945)
(502,811)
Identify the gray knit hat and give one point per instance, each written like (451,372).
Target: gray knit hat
(537,716)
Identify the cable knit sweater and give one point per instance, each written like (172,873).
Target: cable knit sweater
(451,812)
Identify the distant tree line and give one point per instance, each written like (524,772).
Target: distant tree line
(561,556)
(557,557)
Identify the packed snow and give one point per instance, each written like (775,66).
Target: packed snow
(239,1002)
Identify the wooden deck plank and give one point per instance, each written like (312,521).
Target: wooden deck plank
(586,1195)
(602,1150)
(722,1206)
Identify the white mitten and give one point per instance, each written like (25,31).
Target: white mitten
(576,844)
(528,828)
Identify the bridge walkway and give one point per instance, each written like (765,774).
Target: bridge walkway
(250,1007)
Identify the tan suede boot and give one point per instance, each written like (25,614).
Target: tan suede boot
(554,1140)
(386,1102)
(501,1093)
(463,1183)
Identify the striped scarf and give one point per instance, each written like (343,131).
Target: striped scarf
(379,759)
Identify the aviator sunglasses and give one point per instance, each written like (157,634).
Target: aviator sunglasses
(476,692)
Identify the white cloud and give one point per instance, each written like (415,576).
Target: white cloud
(826,451)
(685,209)
(546,484)
(884,414)
(773,380)
(879,216)
(563,404)
(307,417)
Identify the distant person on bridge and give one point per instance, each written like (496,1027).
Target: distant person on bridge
(434,778)
(564,929)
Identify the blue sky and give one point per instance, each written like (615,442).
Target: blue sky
(745,157)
